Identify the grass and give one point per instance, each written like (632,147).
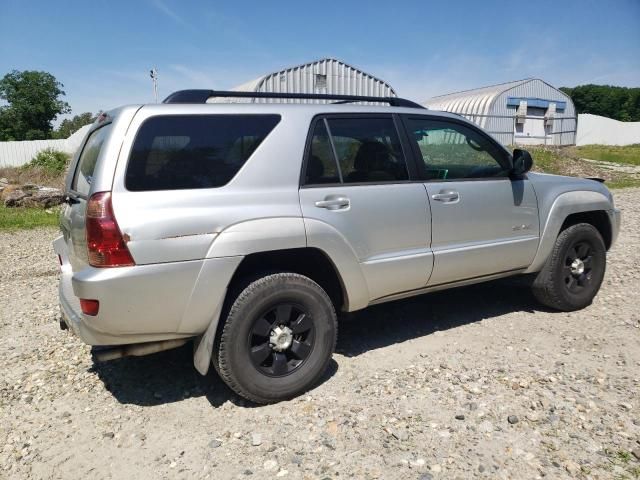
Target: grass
(568,161)
(629,154)
(22,218)
(35,175)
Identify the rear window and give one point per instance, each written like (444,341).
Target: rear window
(88,159)
(177,152)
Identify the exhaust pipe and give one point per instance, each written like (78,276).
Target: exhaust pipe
(106,353)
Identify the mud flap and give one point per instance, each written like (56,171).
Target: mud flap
(203,345)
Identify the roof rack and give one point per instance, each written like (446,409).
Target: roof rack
(201,96)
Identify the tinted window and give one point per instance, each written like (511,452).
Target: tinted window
(321,165)
(88,159)
(453,151)
(368,150)
(194,151)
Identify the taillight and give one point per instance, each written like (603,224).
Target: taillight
(105,244)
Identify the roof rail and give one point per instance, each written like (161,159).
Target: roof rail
(201,96)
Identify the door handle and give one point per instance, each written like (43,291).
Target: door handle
(333,203)
(447,196)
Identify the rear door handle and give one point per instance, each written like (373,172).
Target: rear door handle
(446,196)
(333,202)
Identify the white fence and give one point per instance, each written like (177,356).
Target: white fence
(15,154)
(594,129)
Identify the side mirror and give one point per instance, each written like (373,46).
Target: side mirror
(522,162)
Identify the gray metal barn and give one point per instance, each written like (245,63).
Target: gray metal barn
(327,75)
(527,112)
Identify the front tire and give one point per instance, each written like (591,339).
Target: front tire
(574,271)
(278,338)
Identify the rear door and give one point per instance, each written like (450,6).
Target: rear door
(483,221)
(72,220)
(358,182)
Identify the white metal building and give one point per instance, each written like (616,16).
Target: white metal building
(528,112)
(327,75)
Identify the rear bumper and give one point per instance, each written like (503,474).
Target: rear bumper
(144,303)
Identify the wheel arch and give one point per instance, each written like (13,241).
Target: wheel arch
(569,209)
(308,261)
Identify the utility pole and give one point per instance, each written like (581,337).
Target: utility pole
(153,73)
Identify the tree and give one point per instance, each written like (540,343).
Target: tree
(34,101)
(620,103)
(70,126)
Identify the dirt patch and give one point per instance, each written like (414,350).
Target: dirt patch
(473,382)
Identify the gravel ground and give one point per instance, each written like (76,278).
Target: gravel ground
(474,382)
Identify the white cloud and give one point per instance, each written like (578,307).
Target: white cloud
(164,8)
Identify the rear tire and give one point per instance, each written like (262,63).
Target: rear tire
(574,270)
(277,339)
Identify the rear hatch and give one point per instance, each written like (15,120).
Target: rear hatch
(80,178)
(91,171)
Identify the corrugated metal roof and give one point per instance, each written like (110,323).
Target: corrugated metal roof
(341,78)
(474,101)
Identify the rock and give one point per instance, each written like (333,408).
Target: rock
(282,473)
(425,476)
(435,468)
(13,198)
(400,434)
(256,439)
(512,419)
(215,443)
(636,453)
(417,463)
(4,182)
(270,465)
(486,427)
(45,198)
(108,435)
(572,467)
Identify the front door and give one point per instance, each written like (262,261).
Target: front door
(358,186)
(483,221)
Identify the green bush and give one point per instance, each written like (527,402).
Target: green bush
(49,159)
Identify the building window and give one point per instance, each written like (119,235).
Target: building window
(321,81)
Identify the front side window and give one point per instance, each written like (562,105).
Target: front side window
(453,151)
(88,159)
(175,152)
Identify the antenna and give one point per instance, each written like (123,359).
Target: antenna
(153,73)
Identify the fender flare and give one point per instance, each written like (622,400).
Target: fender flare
(280,233)
(564,205)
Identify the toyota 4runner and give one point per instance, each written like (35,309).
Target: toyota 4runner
(246,226)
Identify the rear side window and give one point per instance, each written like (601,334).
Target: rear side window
(88,158)
(177,152)
(368,150)
(356,150)
(322,167)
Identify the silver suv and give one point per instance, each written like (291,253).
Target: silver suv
(246,226)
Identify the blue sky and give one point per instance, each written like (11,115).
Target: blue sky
(102,50)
